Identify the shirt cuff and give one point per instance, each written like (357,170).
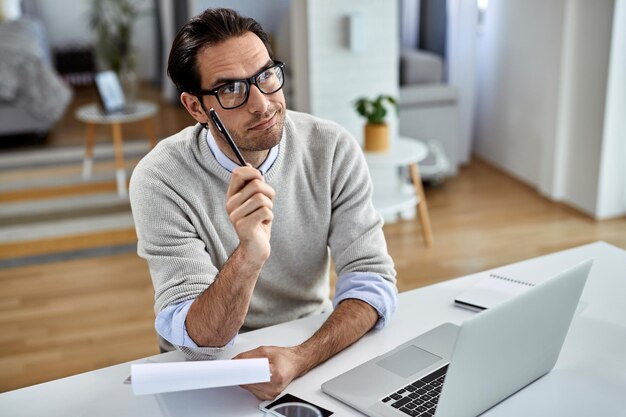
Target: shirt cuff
(170,325)
(371,288)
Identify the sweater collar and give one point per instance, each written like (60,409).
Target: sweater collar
(230,165)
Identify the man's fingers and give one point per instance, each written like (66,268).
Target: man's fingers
(240,177)
(253,204)
(261,391)
(279,367)
(264,391)
(251,189)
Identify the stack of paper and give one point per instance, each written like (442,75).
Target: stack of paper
(153,378)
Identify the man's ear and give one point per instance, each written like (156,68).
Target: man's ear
(192,104)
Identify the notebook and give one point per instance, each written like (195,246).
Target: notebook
(453,371)
(492,290)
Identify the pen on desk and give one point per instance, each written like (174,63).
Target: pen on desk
(222,129)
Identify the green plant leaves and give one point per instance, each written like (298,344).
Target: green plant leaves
(374,110)
(112,21)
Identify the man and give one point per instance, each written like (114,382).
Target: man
(233,248)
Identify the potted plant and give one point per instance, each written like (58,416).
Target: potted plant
(376,129)
(113,22)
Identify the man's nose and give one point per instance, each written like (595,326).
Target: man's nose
(257,101)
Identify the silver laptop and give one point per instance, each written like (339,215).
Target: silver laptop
(453,371)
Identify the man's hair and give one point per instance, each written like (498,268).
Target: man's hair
(209,28)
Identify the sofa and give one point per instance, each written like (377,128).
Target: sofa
(429,111)
(32,95)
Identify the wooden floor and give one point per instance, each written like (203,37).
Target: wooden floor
(63,318)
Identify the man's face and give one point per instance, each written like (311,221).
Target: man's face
(258,124)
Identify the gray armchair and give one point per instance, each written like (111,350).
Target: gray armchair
(32,95)
(429,111)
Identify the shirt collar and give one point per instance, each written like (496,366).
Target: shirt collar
(230,165)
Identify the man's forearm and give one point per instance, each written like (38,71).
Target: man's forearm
(348,323)
(218,313)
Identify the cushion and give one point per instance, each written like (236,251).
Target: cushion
(420,67)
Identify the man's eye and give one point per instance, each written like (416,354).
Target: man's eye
(265,75)
(233,88)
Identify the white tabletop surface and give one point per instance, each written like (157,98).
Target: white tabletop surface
(589,378)
(404,151)
(92,113)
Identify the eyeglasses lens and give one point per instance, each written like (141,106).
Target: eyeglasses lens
(236,93)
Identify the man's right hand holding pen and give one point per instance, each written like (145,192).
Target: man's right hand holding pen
(249,203)
(218,313)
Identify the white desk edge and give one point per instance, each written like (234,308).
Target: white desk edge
(589,378)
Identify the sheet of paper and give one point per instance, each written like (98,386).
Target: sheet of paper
(154,378)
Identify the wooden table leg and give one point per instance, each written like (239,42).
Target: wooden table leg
(120,166)
(89,142)
(422,207)
(148,124)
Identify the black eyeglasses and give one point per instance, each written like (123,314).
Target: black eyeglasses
(235,93)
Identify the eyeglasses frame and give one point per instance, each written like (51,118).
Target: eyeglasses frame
(249,81)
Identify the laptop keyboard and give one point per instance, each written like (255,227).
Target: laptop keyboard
(420,397)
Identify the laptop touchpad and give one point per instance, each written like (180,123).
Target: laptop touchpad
(408,361)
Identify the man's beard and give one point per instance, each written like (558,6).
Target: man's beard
(251,141)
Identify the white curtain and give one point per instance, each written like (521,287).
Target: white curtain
(461,64)
(409,24)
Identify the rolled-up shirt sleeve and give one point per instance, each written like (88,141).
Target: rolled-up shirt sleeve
(371,288)
(170,325)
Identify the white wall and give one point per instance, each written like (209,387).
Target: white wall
(519,53)
(587,45)
(67,23)
(461,65)
(331,76)
(542,96)
(612,190)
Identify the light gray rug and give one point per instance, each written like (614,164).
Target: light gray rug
(27,220)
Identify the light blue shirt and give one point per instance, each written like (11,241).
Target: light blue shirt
(365,286)
(227,163)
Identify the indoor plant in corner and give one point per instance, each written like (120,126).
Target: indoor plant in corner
(376,134)
(113,22)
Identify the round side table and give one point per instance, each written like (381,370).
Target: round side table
(141,111)
(388,197)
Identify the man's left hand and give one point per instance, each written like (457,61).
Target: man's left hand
(284,367)
(350,320)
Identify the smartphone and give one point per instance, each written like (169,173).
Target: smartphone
(288,398)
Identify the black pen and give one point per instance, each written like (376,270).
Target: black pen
(222,129)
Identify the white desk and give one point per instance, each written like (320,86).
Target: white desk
(589,378)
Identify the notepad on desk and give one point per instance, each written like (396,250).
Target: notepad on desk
(491,290)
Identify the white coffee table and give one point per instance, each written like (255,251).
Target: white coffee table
(92,115)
